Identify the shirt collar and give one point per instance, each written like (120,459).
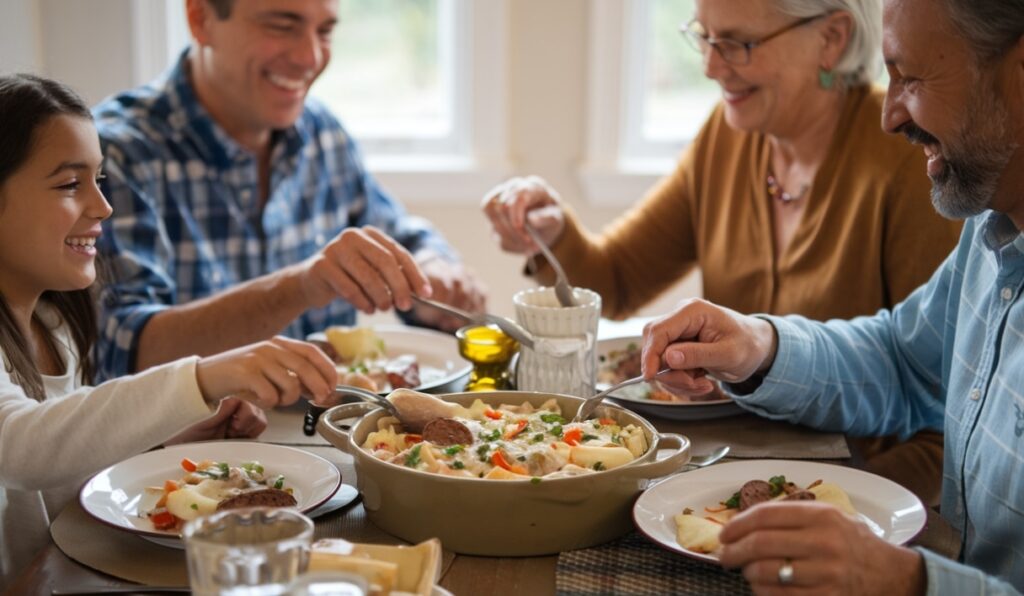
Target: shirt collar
(192,119)
(999,232)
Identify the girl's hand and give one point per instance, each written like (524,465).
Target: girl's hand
(270,373)
(234,419)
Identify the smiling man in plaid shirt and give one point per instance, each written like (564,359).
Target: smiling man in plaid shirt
(241,208)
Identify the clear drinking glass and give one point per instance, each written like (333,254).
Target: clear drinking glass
(257,551)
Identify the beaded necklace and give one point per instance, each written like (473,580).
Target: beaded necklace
(775,191)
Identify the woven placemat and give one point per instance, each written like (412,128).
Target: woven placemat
(634,565)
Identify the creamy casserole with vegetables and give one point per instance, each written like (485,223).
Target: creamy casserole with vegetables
(208,486)
(508,443)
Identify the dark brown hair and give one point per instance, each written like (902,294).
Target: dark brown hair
(26,103)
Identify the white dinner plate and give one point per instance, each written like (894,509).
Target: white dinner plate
(891,511)
(442,368)
(113,495)
(635,397)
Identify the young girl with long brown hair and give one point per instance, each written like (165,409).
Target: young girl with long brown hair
(55,429)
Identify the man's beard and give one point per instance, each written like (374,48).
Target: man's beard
(976,155)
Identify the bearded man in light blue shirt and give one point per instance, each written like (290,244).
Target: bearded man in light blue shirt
(949,357)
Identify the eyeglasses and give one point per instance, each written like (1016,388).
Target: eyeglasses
(734,52)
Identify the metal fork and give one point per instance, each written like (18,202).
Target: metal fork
(510,327)
(563,289)
(592,402)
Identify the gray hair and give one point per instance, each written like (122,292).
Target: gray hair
(861,62)
(991,27)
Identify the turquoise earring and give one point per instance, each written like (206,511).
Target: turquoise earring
(826,78)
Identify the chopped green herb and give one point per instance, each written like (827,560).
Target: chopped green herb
(252,466)
(616,438)
(194,507)
(556,430)
(587,437)
(535,480)
(537,438)
(279,482)
(454,449)
(550,418)
(599,466)
(777,483)
(733,502)
(458,465)
(413,459)
(492,436)
(482,452)
(597,424)
(521,458)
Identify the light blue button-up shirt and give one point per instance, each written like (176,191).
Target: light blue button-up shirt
(950,356)
(187,219)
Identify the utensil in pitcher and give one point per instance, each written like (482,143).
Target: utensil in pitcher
(563,289)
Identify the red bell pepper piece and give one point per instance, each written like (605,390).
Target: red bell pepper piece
(520,426)
(188,465)
(492,414)
(498,459)
(572,436)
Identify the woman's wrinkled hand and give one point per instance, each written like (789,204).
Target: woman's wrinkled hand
(513,203)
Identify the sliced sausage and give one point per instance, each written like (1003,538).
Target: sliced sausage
(754,492)
(800,495)
(265,497)
(445,432)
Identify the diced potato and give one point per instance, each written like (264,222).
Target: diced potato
(830,493)
(189,504)
(697,534)
(353,343)
(636,442)
(588,456)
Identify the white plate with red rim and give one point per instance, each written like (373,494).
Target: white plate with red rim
(442,368)
(891,511)
(636,397)
(113,495)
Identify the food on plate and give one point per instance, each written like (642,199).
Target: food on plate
(699,533)
(618,365)
(388,569)
(209,486)
(362,360)
(507,442)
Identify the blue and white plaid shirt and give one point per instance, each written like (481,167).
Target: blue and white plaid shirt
(950,356)
(187,221)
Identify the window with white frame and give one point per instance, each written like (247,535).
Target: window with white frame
(648,96)
(394,75)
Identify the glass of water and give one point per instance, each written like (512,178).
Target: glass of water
(256,551)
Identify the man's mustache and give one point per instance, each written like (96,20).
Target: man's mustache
(916,134)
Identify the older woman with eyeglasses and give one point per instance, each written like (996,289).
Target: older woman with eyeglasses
(790,200)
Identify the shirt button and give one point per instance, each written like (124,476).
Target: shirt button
(1007,293)
(975,394)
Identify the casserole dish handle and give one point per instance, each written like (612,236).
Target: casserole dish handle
(668,465)
(336,436)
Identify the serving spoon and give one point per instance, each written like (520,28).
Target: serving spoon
(510,327)
(314,412)
(563,289)
(592,402)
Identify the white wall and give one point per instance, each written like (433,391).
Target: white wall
(87,44)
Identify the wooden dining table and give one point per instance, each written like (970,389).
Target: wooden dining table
(748,436)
